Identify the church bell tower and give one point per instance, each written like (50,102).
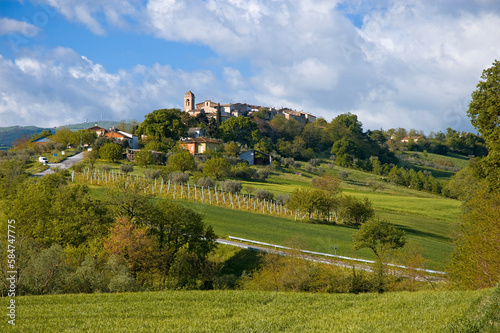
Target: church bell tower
(189,104)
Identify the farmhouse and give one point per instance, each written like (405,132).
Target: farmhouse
(114,133)
(199,145)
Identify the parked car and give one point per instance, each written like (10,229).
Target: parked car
(43,159)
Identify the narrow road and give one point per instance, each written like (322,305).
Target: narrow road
(64,164)
(313,256)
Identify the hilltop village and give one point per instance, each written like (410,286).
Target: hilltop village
(229,110)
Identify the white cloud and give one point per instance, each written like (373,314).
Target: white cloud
(10,26)
(411,63)
(62,87)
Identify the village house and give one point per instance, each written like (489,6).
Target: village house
(229,110)
(114,133)
(199,145)
(409,138)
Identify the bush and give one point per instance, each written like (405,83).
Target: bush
(232,186)
(263,174)
(105,167)
(205,182)
(264,195)
(297,164)
(282,199)
(79,167)
(243,171)
(153,173)
(288,162)
(178,177)
(126,168)
(315,162)
(310,168)
(343,175)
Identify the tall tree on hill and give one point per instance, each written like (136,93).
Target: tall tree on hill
(239,129)
(476,262)
(484,111)
(162,125)
(218,115)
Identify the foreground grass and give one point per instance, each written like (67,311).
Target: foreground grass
(241,311)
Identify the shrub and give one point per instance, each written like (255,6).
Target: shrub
(282,199)
(243,171)
(297,164)
(153,173)
(232,186)
(315,162)
(288,162)
(178,177)
(343,175)
(310,168)
(126,168)
(79,167)
(263,174)
(264,195)
(105,167)
(205,182)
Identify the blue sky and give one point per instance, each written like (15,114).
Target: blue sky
(409,63)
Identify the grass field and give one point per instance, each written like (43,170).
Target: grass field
(241,311)
(427,219)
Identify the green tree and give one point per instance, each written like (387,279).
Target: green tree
(63,136)
(381,237)
(311,200)
(53,212)
(238,129)
(174,227)
(85,136)
(232,149)
(111,152)
(144,157)
(91,156)
(182,161)
(162,125)
(476,261)
(216,167)
(345,151)
(484,111)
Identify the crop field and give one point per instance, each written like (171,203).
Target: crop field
(242,311)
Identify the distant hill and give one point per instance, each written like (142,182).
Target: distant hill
(9,134)
(12,133)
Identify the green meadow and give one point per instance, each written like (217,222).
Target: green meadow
(246,311)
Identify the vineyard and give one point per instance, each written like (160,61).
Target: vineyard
(205,195)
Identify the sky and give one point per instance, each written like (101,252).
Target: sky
(393,63)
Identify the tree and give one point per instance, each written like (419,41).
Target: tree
(53,212)
(162,125)
(476,260)
(355,211)
(144,157)
(310,200)
(111,152)
(63,136)
(91,156)
(216,167)
(484,111)
(345,150)
(238,129)
(327,183)
(182,161)
(174,227)
(85,137)
(232,149)
(381,237)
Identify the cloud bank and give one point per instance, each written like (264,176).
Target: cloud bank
(406,64)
